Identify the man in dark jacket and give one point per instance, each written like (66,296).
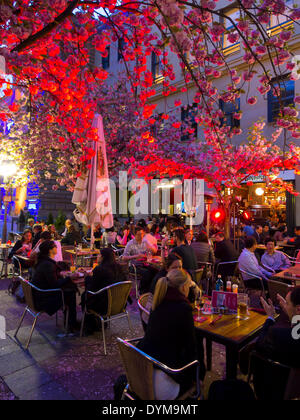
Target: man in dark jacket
(185,252)
(296,239)
(46,277)
(225,252)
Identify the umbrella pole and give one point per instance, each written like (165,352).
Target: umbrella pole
(92,236)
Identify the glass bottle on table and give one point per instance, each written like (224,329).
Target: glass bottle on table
(219,284)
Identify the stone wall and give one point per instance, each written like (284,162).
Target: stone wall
(55,201)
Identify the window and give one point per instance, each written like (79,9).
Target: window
(229,109)
(287,88)
(106,60)
(281,22)
(121,46)
(156,68)
(188,116)
(230,47)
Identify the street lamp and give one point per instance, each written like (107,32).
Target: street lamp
(7,170)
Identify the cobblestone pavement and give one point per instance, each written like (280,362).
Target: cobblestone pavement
(66,367)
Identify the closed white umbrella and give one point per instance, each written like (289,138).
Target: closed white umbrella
(92,191)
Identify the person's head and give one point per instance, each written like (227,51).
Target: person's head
(107,256)
(52,228)
(266,229)
(177,279)
(179,236)
(27,236)
(259,229)
(71,229)
(202,237)
(142,223)
(139,234)
(30,222)
(172,262)
(293,302)
(189,235)
(297,230)
(219,237)
(270,245)
(68,223)
(45,236)
(47,249)
(37,228)
(250,243)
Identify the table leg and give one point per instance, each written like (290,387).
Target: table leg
(232,358)
(208,343)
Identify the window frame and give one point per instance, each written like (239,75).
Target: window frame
(272,115)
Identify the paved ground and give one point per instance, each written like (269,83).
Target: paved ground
(58,367)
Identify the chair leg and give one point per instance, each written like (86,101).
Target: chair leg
(22,317)
(67,320)
(31,332)
(103,334)
(129,322)
(82,323)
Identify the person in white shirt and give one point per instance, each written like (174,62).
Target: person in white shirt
(248,263)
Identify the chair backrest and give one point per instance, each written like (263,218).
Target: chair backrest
(198,276)
(270,378)
(227,268)
(276,287)
(66,255)
(27,290)
(117,295)
(139,370)
(142,304)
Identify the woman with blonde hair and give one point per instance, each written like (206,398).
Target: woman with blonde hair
(170,335)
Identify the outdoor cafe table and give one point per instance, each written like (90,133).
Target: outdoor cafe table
(231,332)
(291,274)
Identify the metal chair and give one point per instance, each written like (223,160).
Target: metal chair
(293,260)
(139,369)
(253,276)
(207,268)
(266,385)
(135,277)
(226,264)
(117,295)
(277,287)
(142,302)
(31,308)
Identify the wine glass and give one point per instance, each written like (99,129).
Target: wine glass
(198,304)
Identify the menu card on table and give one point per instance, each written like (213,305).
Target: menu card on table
(226,300)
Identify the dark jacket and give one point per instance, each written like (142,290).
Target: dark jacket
(46,276)
(259,238)
(187,254)
(71,238)
(203,252)
(15,248)
(225,251)
(170,336)
(103,276)
(36,238)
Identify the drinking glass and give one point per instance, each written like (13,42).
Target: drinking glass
(198,305)
(242,306)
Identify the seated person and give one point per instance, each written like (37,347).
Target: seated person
(155,232)
(45,236)
(22,247)
(265,233)
(185,252)
(189,235)
(280,234)
(296,239)
(107,272)
(203,250)
(170,335)
(109,236)
(72,237)
(274,260)
(276,341)
(298,257)
(258,234)
(136,251)
(54,234)
(248,262)
(47,276)
(225,252)
(37,231)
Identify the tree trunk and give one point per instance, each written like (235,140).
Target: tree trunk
(227,208)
